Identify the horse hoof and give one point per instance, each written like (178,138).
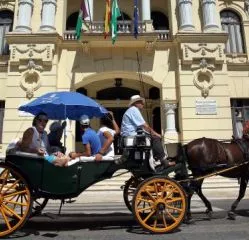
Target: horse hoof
(231,215)
(209,213)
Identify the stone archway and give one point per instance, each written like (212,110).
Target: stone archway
(114,92)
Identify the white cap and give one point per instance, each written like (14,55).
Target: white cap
(84,120)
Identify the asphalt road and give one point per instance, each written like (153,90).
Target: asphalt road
(114,221)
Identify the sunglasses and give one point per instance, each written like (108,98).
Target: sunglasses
(42,120)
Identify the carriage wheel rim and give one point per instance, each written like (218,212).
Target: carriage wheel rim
(159,205)
(15,201)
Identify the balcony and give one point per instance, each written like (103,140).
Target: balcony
(125,28)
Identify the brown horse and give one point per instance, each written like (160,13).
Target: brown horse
(205,155)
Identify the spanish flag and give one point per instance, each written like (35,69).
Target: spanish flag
(107,17)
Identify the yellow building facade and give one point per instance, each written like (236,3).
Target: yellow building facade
(190,62)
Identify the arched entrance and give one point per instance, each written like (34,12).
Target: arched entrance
(115,93)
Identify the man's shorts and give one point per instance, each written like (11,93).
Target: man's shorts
(50,158)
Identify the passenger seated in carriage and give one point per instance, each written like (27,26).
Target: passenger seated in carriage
(35,140)
(90,139)
(55,135)
(133,119)
(106,133)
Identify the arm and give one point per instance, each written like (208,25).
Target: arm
(86,153)
(150,130)
(107,143)
(26,142)
(115,127)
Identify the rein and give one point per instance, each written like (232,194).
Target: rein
(214,173)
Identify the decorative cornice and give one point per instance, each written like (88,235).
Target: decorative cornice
(24,52)
(206,37)
(192,52)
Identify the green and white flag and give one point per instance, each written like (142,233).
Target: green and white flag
(82,15)
(114,22)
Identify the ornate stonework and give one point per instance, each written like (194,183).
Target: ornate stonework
(203,77)
(149,47)
(199,51)
(7,4)
(236,59)
(42,52)
(247,6)
(85,46)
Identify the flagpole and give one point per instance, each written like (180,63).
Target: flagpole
(90,14)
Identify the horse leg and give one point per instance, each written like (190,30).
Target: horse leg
(242,190)
(189,193)
(198,190)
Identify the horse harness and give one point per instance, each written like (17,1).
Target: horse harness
(242,144)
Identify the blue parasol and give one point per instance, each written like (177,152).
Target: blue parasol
(63,105)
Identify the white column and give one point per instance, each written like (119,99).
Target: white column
(25,8)
(89,7)
(209,15)
(146,10)
(48,15)
(186,15)
(170,117)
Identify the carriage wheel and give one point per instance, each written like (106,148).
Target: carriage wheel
(15,200)
(38,205)
(129,191)
(159,204)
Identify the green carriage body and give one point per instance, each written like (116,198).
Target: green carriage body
(49,181)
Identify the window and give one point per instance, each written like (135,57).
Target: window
(240,114)
(2,106)
(72,21)
(160,21)
(231,23)
(6,22)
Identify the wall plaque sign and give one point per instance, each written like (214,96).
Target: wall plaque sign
(206,107)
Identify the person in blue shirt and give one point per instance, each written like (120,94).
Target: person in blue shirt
(133,119)
(90,139)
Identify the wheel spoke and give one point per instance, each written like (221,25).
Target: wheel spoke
(144,200)
(144,209)
(16,203)
(174,208)
(164,221)
(171,216)
(156,190)
(11,186)
(149,194)
(172,200)
(5,179)
(149,216)
(13,212)
(5,218)
(155,223)
(15,193)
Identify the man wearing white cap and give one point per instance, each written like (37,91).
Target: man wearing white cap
(133,119)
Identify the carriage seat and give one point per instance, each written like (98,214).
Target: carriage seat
(137,141)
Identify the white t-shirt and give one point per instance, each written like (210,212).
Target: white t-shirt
(110,151)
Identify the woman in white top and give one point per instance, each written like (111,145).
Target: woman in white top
(35,140)
(106,133)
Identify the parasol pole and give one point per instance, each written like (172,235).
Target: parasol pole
(64,130)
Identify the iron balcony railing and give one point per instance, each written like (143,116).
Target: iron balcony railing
(124,28)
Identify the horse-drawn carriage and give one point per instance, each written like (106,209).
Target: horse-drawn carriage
(159,203)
